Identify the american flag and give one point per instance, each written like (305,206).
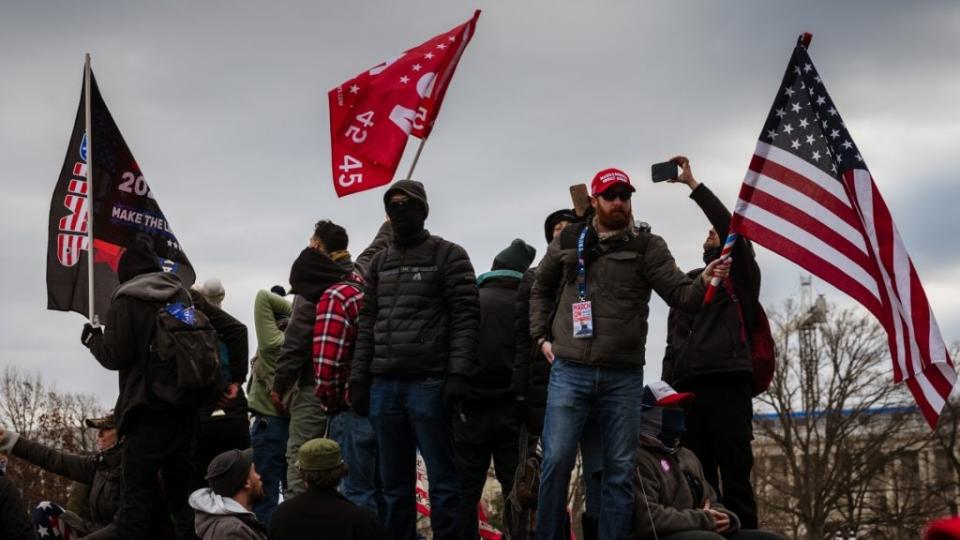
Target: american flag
(809,196)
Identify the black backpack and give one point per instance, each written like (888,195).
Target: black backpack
(184,367)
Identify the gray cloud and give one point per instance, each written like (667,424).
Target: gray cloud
(224,105)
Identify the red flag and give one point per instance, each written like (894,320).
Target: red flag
(372,114)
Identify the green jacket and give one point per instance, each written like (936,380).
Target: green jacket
(621,273)
(266,307)
(663,494)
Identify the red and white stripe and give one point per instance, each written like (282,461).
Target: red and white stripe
(69,247)
(844,234)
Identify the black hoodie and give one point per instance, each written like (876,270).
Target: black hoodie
(124,345)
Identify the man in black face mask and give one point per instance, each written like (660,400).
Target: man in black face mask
(416,347)
(709,354)
(674,500)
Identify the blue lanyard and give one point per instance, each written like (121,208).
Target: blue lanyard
(582,265)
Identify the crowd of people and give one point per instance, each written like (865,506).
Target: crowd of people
(405,350)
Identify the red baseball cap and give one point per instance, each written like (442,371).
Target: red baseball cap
(607,179)
(659,394)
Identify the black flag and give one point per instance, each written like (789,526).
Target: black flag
(124,208)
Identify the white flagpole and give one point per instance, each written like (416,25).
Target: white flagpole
(89,132)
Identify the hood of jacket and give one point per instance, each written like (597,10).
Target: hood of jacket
(151,287)
(495,275)
(410,188)
(313,272)
(211,508)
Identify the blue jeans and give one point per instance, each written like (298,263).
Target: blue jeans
(268,438)
(408,414)
(591,455)
(613,395)
(358,445)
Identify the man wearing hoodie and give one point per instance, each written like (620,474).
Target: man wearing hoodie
(159,437)
(322,263)
(488,427)
(415,350)
(224,510)
(674,500)
(709,354)
(588,314)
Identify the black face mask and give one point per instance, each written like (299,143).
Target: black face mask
(672,428)
(406,219)
(711,254)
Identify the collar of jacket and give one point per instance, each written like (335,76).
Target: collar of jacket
(498,274)
(413,240)
(604,236)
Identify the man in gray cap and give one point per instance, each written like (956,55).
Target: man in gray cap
(225,509)
(321,509)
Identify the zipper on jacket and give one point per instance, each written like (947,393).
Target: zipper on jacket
(393,306)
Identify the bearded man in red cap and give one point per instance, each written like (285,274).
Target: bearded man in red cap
(588,314)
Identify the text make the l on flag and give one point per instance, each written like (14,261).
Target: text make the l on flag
(809,196)
(373,114)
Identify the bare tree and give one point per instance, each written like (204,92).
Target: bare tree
(37,411)
(836,423)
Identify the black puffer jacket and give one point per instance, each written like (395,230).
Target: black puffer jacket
(124,345)
(101,471)
(420,312)
(713,341)
(497,340)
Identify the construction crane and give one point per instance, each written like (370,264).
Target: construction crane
(813,313)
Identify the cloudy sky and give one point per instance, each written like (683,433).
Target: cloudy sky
(224,106)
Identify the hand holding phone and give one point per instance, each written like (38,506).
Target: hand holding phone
(667,170)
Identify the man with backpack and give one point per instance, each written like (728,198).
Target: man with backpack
(709,354)
(588,314)
(156,416)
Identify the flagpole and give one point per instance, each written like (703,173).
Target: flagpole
(416,158)
(89,132)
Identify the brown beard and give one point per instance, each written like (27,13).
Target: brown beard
(615,220)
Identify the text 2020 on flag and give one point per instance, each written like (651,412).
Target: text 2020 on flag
(372,114)
(121,204)
(809,196)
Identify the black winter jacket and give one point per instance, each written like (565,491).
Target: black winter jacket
(531,371)
(295,363)
(233,334)
(326,514)
(713,341)
(497,341)
(14,519)
(420,312)
(101,471)
(125,344)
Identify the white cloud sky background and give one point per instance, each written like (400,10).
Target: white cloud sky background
(224,106)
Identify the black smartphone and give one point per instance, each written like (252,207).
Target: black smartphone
(667,170)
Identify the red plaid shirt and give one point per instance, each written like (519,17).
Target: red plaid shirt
(334,333)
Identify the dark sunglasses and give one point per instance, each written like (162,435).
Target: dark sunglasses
(623,195)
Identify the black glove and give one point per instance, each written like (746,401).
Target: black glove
(360,399)
(455,390)
(89,331)
(520,409)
